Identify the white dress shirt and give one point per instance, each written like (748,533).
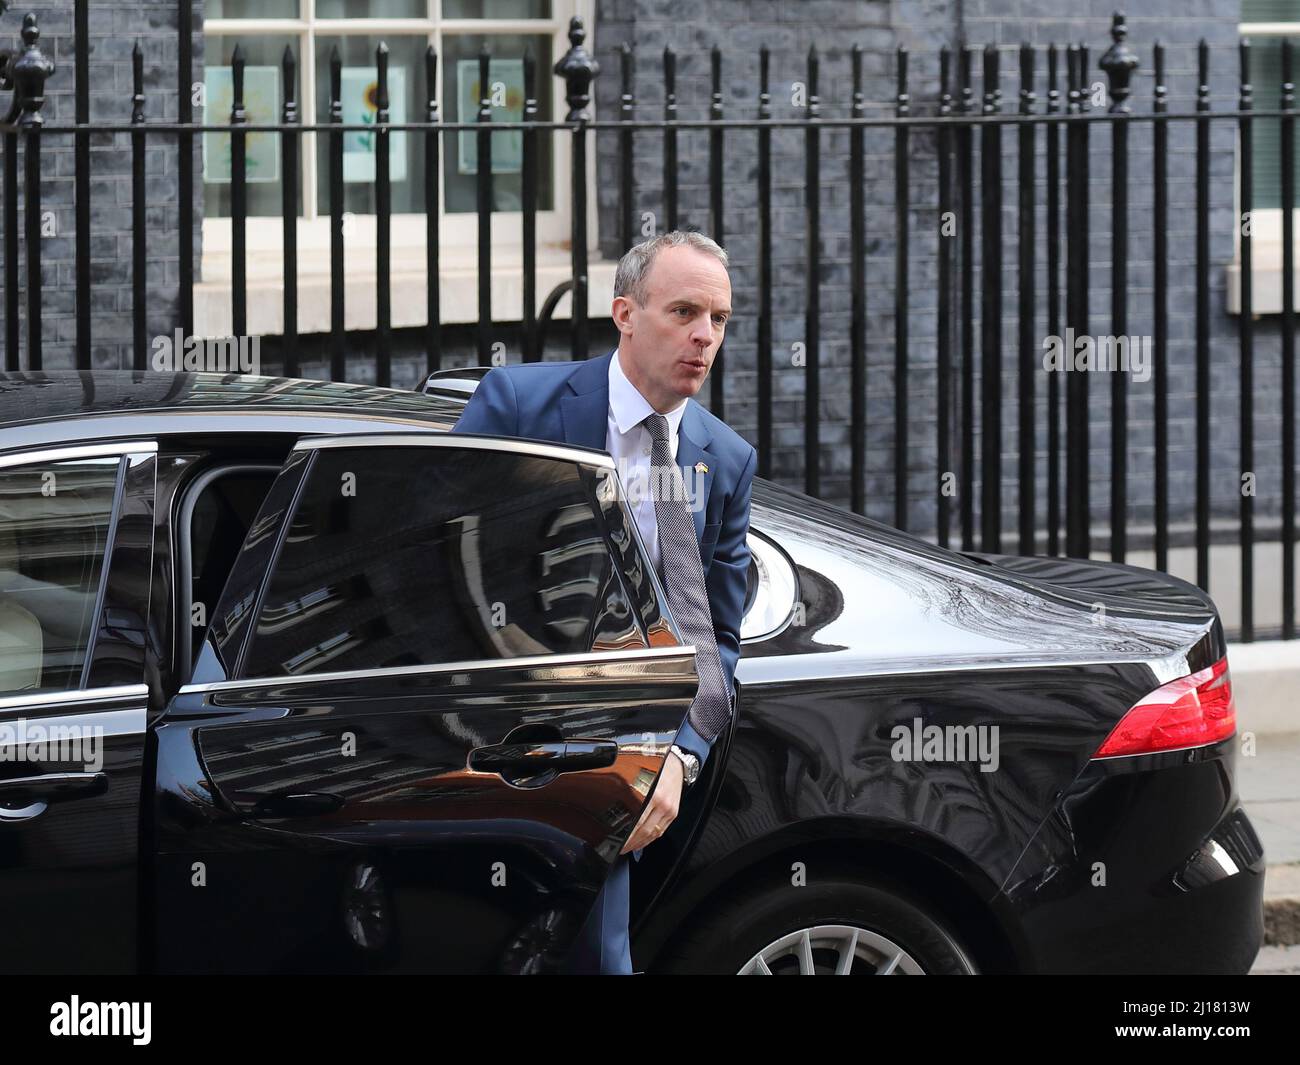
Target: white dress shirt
(629,443)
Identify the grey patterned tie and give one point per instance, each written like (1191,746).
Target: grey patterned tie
(683,576)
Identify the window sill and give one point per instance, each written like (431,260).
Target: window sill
(1265,287)
(1265,267)
(458,293)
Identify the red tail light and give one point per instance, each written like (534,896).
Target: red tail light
(1191,711)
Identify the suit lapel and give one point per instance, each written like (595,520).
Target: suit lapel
(693,437)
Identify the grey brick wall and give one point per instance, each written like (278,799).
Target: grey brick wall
(1179,27)
(114,30)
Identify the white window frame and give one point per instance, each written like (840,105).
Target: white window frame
(1265,222)
(458,257)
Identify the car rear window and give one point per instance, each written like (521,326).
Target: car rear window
(54,531)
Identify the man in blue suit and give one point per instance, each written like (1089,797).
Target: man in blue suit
(672,299)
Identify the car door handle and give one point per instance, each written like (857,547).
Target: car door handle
(534,757)
(36,793)
(589,754)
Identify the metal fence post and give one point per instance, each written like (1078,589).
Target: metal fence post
(578,69)
(28,74)
(1119,63)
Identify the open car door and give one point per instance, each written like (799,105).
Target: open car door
(435,695)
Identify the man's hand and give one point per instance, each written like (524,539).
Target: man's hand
(661,810)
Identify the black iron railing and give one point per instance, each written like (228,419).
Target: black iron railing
(1054,139)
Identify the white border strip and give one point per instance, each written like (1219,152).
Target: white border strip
(80,695)
(84,451)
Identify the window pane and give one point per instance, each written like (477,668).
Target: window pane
(496,9)
(372,9)
(1270,10)
(250,9)
(405,104)
(221,518)
(1266,137)
(460,93)
(263,102)
(407,557)
(53,533)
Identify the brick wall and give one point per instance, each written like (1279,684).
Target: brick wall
(114,30)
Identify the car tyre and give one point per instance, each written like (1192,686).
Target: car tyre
(824,922)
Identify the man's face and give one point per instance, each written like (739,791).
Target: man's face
(669,344)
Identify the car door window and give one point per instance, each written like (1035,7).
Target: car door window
(217,514)
(409,556)
(55,521)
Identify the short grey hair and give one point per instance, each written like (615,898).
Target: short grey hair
(634,268)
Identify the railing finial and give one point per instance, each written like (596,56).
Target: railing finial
(578,69)
(1119,62)
(26,72)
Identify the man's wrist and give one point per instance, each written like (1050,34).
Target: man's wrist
(690,761)
(690,740)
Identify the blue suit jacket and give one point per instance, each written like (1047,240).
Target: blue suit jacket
(568,402)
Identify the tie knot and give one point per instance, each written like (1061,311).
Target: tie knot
(657,425)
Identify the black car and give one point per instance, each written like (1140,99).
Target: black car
(293,679)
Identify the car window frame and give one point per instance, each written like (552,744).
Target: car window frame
(129,453)
(230,661)
(182,573)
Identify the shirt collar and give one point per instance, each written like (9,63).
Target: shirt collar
(630,407)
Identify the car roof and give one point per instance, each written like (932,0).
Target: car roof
(49,395)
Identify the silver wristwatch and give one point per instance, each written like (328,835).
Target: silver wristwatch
(690,764)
